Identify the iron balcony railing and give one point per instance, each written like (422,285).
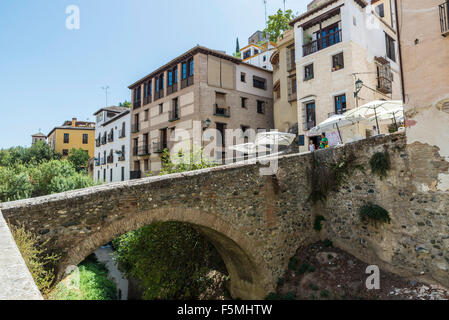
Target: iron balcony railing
(311,124)
(158,147)
(135,128)
(121,133)
(137,104)
(135,151)
(103,161)
(110,159)
(322,43)
(222,111)
(143,150)
(173,115)
(135,174)
(97,163)
(146,100)
(111,137)
(444,18)
(103,139)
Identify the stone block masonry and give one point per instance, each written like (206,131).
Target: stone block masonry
(258,222)
(16,282)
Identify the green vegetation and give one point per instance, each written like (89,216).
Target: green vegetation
(317,223)
(184,161)
(37,260)
(38,171)
(125,104)
(374,213)
(91,283)
(327,243)
(293,263)
(314,287)
(324,293)
(170,259)
(329,177)
(291,295)
(278,23)
(380,164)
(79,159)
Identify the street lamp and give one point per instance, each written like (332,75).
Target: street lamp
(358,87)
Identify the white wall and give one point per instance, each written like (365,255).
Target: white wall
(116,145)
(248,85)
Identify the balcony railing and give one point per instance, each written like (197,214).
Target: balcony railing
(110,159)
(135,151)
(111,137)
(292,97)
(171,89)
(322,43)
(121,157)
(146,100)
(311,124)
(97,163)
(103,161)
(121,133)
(143,150)
(187,82)
(159,94)
(135,128)
(158,147)
(103,139)
(222,111)
(137,104)
(173,115)
(135,174)
(444,18)
(330,114)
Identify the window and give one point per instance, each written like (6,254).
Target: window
(380,10)
(391,53)
(146,166)
(264,58)
(85,138)
(110,175)
(340,104)
(244,102)
(260,107)
(310,115)
(145,115)
(123,174)
(184,70)
(137,94)
(161,108)
(147,91)
(190,67)
(104,175)
(243,77)
(247,54)
(256,51)
(65,152)
(170,78)
(338,62)
(66,138)
(175,75)
(259,82)
(98,175)
(301,140)
(308,72)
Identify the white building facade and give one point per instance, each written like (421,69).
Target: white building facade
(339,43)
(112,144)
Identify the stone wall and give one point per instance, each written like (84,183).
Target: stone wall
(258,222)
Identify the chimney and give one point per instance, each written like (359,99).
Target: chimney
(74,122)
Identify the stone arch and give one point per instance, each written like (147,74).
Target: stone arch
(246,270)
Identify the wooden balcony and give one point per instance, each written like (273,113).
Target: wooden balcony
(322,43)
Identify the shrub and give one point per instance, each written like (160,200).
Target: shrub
(324,293)
(374,213)
(327,243)
(306,267)
(293,263)
(317,224)
(380,164)
(314,287)
(37,260)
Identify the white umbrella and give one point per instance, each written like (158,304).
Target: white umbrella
(395,114)
(374,108)
(274,138)
(336,121)
(249,148)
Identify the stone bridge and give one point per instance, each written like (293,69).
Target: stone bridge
(258,222)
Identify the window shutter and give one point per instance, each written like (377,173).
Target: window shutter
(289,59)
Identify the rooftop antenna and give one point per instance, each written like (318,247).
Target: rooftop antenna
(266,21)
(105,88)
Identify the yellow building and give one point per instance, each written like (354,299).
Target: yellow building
(73,134)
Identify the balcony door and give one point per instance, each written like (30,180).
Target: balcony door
(310,115)
(328,36)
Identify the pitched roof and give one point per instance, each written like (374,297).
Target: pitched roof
(39,134)
(112,109)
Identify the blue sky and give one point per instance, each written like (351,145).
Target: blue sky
(50,74)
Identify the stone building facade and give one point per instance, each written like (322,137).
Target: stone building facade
(424,39)
(285,84)
(337,43)
(199,90)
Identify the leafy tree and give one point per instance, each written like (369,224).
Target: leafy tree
(14,184)
(40,151)
(184,161)
(278,23)
(125,104)
(79,159)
